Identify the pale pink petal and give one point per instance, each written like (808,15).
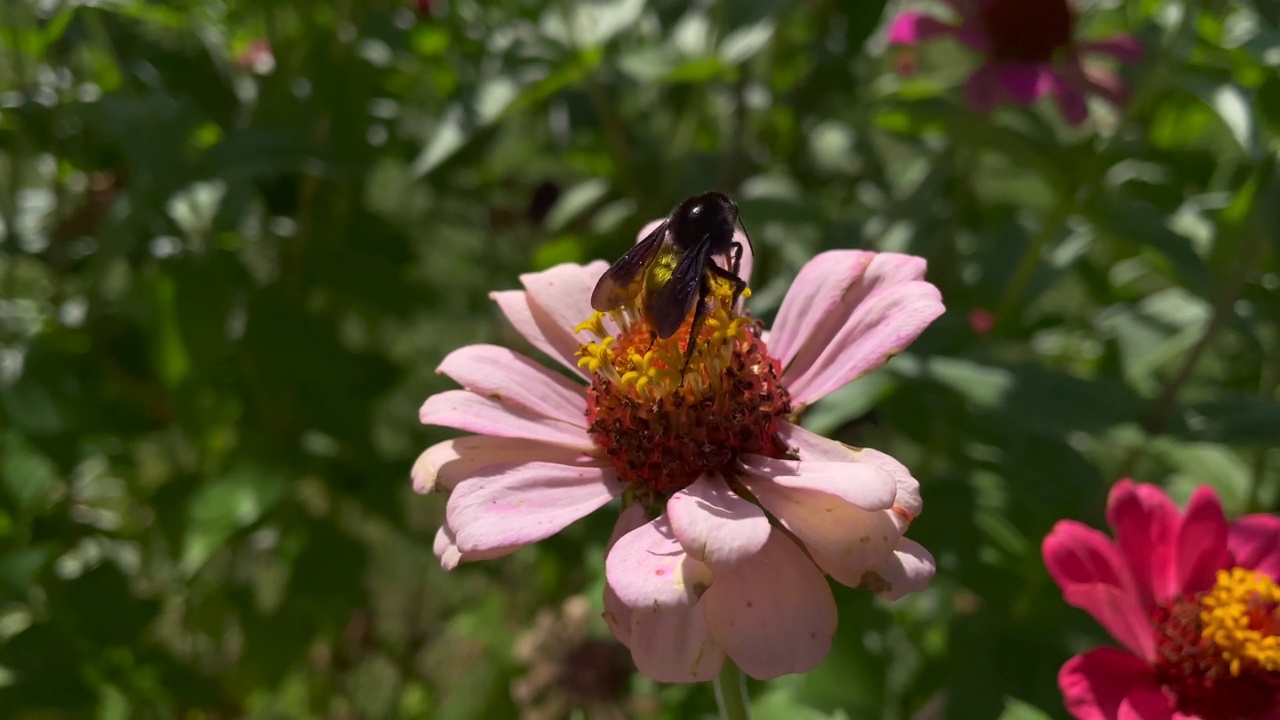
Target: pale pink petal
(1122,47)
(863,485)
(513,505)
(912,28)
(812,446)
(446,550)
(909,569)
(1111,684)
(845,540)
(1069,95)
(560,299)
(819,296)
(1202,542)
(715,525)
(907,501)
(1023,83)
(516,381)
(983,92)
(650,571)
(675,645)
(846,314)
(1095,578)
(1145,522)
(773,614)
(443,465)
(464,410)
(1255,544)
(558,343)
(616,614)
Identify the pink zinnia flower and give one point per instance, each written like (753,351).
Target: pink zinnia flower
(1193,599)
(733,513)
(1031,51)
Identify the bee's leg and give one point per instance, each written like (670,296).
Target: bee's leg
(653,338)
(737,251)
(695,327)
(738,283)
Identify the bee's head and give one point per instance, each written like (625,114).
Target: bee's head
(711,214)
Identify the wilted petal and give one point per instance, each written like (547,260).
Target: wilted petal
(1202,542)
(1095,578)
(464,410)
(773,614)
(513,505)
(558,343)
(675,645)
(445,464)
(913,28)
(846,314)
(715,525)
(616,614)
(516,381)
(651,572)
(446,550)
(909,569)
(1255,544)
(1145,522)
(1110,684)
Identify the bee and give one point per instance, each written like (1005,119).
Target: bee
(673,266)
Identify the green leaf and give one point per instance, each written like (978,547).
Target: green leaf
(1026,398)
(222,507)
(1142,224)
(1239,420)
(1015,709)
(31,478)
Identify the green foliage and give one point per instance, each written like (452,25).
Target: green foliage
(236,238)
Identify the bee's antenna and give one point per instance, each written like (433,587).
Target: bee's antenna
(746,234)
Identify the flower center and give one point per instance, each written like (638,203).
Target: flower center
(1219,652)
(1028,31)
(663,429)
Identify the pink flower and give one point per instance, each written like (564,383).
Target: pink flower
(1031,51)
(1192,598)
(733,513)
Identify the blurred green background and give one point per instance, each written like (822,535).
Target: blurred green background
(239,236)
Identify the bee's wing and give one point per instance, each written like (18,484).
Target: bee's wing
(669,305)
(616,286)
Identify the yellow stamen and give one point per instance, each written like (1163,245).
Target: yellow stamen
(593,324)
(1241,615)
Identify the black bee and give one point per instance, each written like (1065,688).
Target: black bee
(673,266)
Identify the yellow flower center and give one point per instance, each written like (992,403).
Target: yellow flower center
(663,424)
(1218,652)
(1241,616)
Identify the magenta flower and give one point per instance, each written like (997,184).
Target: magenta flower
(1030,49)
(733,513)
(1193,599)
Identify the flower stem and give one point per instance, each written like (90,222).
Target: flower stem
(731,693)
(1030,259)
